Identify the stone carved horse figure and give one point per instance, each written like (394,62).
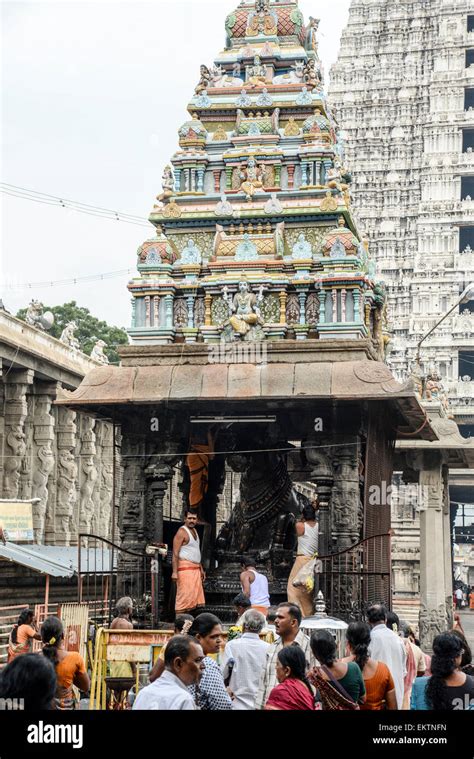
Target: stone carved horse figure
(262,523)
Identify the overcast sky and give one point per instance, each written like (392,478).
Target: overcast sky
(92,96)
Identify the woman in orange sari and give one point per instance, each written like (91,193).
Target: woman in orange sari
(69,665)
(22,635)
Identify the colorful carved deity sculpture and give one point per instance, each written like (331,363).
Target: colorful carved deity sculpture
(251,176)
(245,321)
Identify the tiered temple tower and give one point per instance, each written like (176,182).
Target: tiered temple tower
(403,90)
(257,261)
(255,237)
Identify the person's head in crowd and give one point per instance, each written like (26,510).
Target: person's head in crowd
(393,622)
(180,621)
(184,658)
(32,678)
(308,513)
(271,614)
(358,640)
(291,663)
(253,621)
(447,656)
(241,602)
(52,636)
(323,647)
(26,617)
(467,655)
(207,630)
(376,615)
(247,562)
(124,607)
(287,620)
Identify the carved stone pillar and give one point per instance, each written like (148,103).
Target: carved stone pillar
(88,474)
(16,409)
(447,548)
(102,520)
(347,507)
(433,617)
(64,527)
(131,514)
(43,459)
(158,477)
(322,474)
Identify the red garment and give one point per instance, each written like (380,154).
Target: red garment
(291,695)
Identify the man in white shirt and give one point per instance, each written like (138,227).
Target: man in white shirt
(183,666)
(287,624)
(387,647)
(246,656)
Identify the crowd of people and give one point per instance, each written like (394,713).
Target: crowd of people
(383,668)
(46,679)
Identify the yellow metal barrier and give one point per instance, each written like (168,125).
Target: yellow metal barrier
(132,646)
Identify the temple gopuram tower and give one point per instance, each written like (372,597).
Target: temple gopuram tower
(403,90)
(257,187)
(256,371)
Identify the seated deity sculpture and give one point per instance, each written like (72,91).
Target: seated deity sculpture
(302,248)
(203,100)
(204,80)
(244,100)
(251,177)
(224,207)
(257,74)
(273,205)
(245,320)
(264,99)
(190,254)
(167,183)
(305,97)
(247,250)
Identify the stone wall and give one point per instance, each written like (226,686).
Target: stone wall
(49,452)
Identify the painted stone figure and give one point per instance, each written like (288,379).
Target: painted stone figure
(16,442)
(67,336)
(42,471)
(257,74)
(251,177)
(167,184)
(66,494)
(98,352)
(245,321)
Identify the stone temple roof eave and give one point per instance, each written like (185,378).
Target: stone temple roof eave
(295,373)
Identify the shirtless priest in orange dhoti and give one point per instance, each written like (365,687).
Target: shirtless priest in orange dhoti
(187,569)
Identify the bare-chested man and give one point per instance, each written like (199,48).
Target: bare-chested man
(123,621)
(187,569)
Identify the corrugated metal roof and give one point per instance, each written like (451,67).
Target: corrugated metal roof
(57,561)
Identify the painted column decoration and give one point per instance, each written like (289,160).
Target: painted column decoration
(322,306)
(291,176)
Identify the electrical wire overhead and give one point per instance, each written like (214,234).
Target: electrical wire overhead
(72,205)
